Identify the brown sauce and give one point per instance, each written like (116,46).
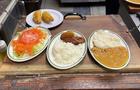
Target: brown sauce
(112,57)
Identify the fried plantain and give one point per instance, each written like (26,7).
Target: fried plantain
(47,17)
(37,17)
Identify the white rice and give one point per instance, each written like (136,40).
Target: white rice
(106,39)
(67,53)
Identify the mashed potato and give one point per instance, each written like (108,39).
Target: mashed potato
(67,53)
(105,39)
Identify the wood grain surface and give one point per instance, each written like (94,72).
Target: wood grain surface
(88,65)
(96,81)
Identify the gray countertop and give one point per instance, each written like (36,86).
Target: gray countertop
(7,5)
(3,5)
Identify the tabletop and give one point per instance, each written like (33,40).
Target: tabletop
(72,81)
(77,80)
(96,80)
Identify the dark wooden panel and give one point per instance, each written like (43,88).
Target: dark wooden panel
(73,81)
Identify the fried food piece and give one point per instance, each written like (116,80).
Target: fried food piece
(70,37)
(78,40)
(74,40)
(67,34)
(37,17)
(47,17)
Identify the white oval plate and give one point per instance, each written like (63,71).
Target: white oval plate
(19,59)
(58,19)
(50,56)
(130,1)
(90,46)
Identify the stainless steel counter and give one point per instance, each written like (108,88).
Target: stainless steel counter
(3,5)
(7,5)
(7,23)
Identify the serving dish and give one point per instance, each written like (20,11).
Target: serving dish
(55,41)
(11,52)
(58,19)
(124,44)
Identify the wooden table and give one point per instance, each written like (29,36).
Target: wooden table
(72,81)
(88,74)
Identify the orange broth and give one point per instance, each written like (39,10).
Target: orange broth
(111,57)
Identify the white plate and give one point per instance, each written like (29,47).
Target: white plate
(22,59)
(58,19)
(50,56)
(133,2)
(90,46)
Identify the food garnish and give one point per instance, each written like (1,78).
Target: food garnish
(27,41)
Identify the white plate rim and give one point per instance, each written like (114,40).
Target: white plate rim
(76,63)
(41,25)
(29,58)
(126,45)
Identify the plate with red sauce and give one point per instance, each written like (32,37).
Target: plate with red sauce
(28,44)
